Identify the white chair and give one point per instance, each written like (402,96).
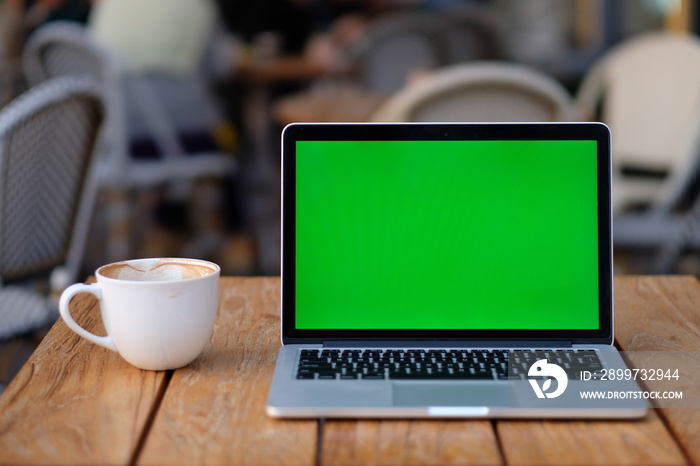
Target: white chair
(60,49)
(47,190)
(480,92)
(648,92)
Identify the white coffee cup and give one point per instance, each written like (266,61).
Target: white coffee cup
(159,313)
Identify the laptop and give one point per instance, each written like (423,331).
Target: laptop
(447,270)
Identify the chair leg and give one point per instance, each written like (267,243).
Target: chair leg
(205,214)
(119,224)
(670,253)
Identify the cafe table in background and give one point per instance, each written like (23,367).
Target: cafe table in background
(77,403)
(328,102)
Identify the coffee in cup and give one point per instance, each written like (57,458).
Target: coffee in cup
(158,313)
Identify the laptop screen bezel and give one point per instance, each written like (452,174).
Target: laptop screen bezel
(436,132)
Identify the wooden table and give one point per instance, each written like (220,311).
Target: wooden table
(279,69)
(341,103)
(77,403)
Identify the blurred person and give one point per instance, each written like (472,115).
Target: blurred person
(176,49)
(310,27)
(326,48)
(289,19)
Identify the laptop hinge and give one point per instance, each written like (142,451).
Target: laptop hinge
(524,344)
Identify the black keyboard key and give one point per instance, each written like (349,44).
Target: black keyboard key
(319,366)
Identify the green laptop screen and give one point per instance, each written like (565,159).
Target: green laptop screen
(446,235)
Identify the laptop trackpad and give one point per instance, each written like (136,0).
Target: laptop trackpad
(431,393)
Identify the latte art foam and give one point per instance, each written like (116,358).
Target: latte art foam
(156,270)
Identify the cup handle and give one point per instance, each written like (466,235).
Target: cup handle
(63,307)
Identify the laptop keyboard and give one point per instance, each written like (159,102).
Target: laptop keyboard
(463,364)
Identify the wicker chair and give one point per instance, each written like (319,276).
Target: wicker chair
(47,189)
(61,49)
(393,47)
(480,92)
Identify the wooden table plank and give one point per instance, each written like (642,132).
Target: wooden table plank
(91,408)
(657,313)
(646,441)
(587,443)
(342,104)
(661,314)
(214,409)
(399,442)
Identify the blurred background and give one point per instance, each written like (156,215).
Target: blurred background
(194,95)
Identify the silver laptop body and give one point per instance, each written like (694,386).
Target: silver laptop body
(447,270)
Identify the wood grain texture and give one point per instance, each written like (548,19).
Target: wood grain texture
(75,402)
(400,442)
(214,409)
(588,443)
(655,314)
